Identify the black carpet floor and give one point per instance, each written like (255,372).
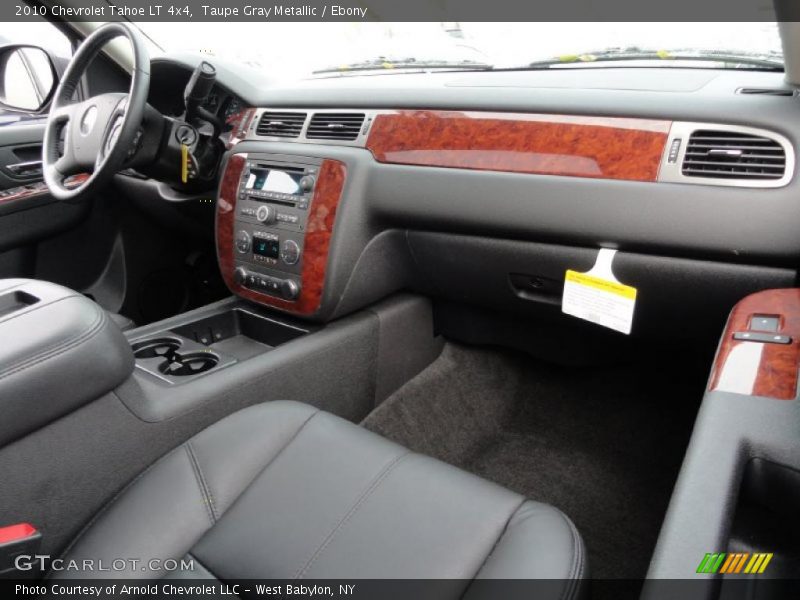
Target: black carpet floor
(602,444)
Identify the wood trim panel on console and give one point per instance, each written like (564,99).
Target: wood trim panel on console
(577,146)
(756,368)
(316,244)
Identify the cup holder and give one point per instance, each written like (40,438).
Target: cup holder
(163,354)
(156,348)
(182,365)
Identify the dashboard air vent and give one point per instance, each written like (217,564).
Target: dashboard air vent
(766,91)
(281,124)
(335,126)
(733,155)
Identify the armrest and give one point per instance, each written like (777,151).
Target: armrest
(745,440)
(59,351)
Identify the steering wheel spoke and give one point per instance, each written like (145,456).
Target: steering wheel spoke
(97,133)
(66,166)
(62,114)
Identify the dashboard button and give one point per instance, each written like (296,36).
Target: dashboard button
(765,322)
(290,289)
(240,275)
(764,338)
(287,218)
(307,183)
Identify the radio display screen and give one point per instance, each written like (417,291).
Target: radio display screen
(268,248)
(274,180)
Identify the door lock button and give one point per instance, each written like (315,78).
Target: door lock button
(765,322)
(764,338)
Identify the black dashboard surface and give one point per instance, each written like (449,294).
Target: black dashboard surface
(732,224)
(727,226)
(689,94)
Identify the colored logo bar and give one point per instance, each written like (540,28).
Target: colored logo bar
(734,562)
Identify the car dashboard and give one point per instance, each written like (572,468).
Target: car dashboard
(356,237)
(488,186)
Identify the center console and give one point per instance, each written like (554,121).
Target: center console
(213,339)
(274,221)
(275,218)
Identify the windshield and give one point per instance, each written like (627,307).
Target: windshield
(298,50)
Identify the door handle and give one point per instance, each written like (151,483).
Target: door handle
(32,168)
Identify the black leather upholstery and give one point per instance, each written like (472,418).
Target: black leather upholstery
(282,490)
(59,351)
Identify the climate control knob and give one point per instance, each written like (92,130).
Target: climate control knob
(290,289)
(290,252)
(243,242)
(266,214)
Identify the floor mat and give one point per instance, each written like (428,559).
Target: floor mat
(602,444)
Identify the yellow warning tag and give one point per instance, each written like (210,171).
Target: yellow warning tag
(184,163)
(598,297)
(599,283)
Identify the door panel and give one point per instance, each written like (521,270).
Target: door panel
(133,254)
(28,214)
(20,157)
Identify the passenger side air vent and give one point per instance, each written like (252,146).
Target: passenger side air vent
(733,155)
(281,124)
(766,91)
(335,126)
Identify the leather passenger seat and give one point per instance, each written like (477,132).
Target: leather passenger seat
(282,490)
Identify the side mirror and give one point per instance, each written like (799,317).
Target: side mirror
(28,78)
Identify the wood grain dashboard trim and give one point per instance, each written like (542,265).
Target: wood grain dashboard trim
(577,146)
(38,188)
(756,368)
(316,245)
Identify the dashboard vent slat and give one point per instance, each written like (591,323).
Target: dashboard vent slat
(733,155)
(281,124)
(335,126)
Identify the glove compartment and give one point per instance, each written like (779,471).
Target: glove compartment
(676,297)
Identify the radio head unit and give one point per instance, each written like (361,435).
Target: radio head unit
(275,221)
(273,198)
(288,184)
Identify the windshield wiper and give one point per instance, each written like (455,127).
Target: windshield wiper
(771,62)
(382,63)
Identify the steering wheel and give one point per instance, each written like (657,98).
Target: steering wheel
(100,133)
